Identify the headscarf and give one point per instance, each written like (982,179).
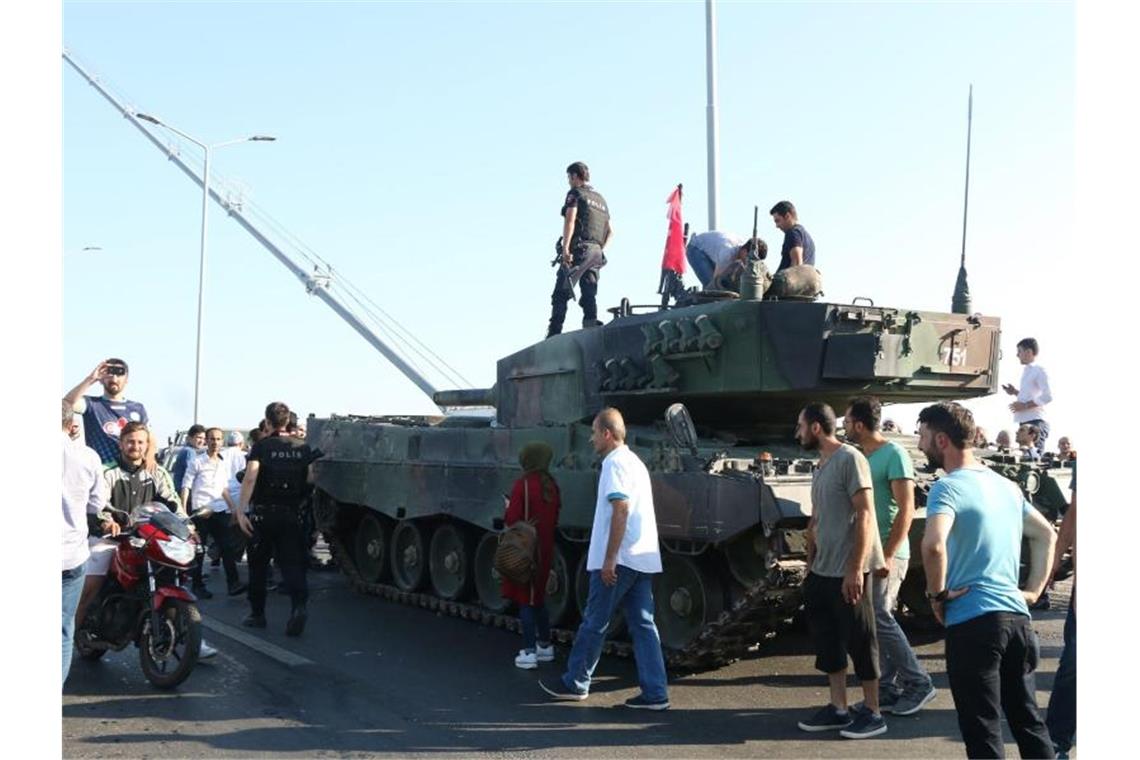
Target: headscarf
(536,456)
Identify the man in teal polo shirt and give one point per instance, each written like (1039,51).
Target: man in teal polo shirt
(904,686)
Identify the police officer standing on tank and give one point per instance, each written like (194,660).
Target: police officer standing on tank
(585,232)
(276,482)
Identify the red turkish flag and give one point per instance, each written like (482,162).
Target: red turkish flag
(674,257)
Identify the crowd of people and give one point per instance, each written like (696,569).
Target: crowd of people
(244,492)
(857,555)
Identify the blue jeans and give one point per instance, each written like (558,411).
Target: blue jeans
(703,266)
(534,617)
(1062,716)
(634,591)
(72,588)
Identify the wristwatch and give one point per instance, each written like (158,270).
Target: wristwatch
(939,597)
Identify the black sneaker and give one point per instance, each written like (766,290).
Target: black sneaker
(254,621)
(559,691)
(641,703)
(826,718)
(202,592)
(296,624)
(865,725)
(237,588)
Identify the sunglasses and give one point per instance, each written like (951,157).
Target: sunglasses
(116,369)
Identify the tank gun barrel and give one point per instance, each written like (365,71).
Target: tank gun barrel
(465,397)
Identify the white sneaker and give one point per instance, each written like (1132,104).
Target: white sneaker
(206,651)
(544,654)
(526,660)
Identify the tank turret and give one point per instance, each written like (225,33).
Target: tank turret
(746,367)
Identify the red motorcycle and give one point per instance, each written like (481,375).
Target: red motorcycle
(144,600)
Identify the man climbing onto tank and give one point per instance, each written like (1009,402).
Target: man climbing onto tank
(585,231)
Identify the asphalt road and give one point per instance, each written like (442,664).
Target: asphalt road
(372,677)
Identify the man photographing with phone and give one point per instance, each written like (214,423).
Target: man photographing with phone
(104,417)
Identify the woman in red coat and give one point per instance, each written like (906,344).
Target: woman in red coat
(536,494)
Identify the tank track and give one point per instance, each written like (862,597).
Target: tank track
(755,616)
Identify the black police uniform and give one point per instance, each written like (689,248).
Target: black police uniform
(279,528)
(589,232)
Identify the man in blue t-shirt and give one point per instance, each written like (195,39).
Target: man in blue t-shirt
(105,416)
(971,550)
(798,246)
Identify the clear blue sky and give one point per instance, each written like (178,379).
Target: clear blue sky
(422,150)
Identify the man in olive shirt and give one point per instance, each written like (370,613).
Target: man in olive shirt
(904,687)
(843,549)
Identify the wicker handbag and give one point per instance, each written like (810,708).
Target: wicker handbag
(517,552)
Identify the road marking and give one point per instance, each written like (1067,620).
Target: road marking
(283,656)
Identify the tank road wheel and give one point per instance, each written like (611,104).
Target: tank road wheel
(746,555)
(687,597)
(617,627)
(451,561)
(560,599)
(409,556)
(371,549)
(487,578)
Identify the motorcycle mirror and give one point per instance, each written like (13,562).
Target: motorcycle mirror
(681,427)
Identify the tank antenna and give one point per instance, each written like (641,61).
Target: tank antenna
(961,301)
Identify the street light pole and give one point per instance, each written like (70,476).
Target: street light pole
(202,243)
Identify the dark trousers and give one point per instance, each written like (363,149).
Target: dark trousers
(219,526)
(1062,716)
(588,300)
(277,533)
(990,660)
(839,629)
(535,622)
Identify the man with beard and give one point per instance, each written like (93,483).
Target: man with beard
(104,416)
(127,485)
(904,687)
(971,549)
(843,549)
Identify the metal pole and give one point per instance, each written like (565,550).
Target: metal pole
(710,112)
(201,277)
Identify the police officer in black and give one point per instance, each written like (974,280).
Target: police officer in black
(585,232)
(276,483)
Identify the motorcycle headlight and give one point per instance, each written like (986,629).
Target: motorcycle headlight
(178,550)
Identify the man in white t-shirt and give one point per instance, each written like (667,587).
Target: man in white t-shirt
(202,487)
(622,559)
(1033,395)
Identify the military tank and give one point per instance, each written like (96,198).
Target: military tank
(411,506)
